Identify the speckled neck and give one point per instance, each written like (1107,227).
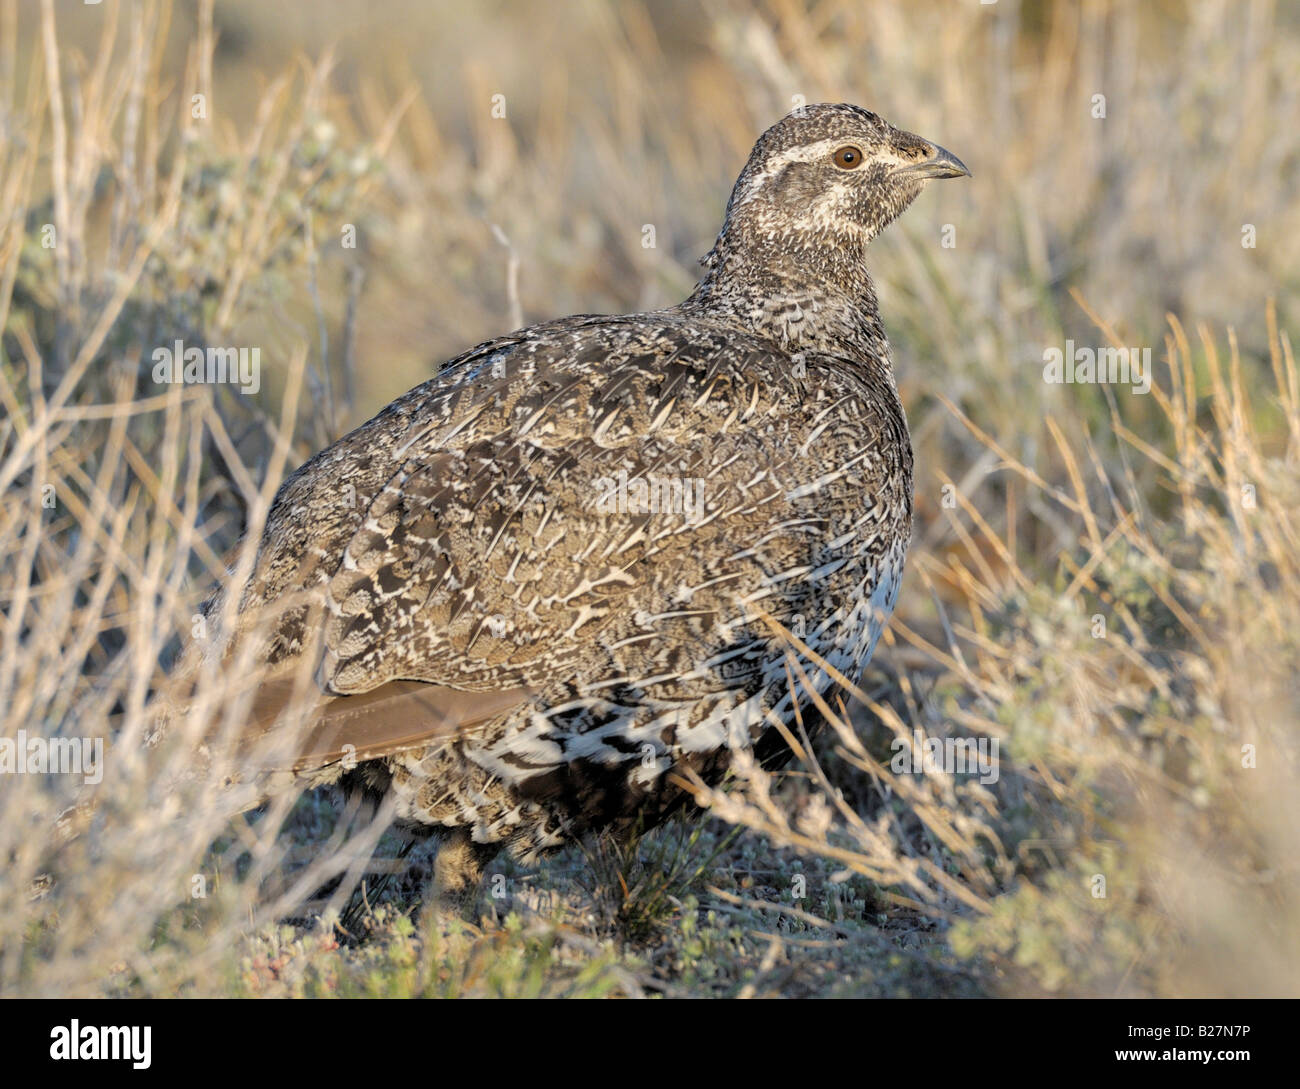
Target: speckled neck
(798,310)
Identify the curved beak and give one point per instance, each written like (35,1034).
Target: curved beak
(942,163)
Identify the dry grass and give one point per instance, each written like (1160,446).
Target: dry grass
(1172,517)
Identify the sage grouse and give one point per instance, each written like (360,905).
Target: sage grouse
(532,595)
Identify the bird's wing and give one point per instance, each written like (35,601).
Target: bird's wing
(490,561)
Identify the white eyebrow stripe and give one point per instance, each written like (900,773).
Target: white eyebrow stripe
(807,153)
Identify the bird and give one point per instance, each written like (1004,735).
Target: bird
(539,595)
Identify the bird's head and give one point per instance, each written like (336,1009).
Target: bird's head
(821,183)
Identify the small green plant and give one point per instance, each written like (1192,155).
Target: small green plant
(638,883)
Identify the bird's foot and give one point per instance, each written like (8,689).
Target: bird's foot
(458,876)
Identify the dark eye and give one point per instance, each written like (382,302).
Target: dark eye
(848,157)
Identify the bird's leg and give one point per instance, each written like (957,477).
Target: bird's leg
(458,872)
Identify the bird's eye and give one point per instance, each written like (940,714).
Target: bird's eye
(848,157)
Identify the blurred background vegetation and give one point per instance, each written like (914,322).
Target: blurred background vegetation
(1111,220)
